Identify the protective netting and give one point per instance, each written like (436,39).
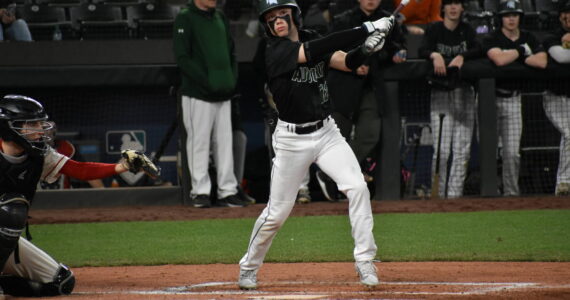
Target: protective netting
(529,125)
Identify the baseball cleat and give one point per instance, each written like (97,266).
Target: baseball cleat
(367,272)
(303,196)
(247,279)
(201,201)
(563,189)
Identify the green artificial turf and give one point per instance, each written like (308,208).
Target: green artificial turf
(477,236)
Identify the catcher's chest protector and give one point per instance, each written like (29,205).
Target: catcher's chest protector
(20,178)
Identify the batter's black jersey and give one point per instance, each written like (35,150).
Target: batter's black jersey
(20,178)
(450,43)
(300,91)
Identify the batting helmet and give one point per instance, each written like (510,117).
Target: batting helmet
(267,5)
(509,7)
(17,110)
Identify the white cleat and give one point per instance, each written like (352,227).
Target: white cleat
(247,279)
(367,272)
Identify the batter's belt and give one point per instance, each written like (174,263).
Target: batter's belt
(307,128)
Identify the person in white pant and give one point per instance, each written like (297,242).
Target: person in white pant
(509,44)
(448,44)
(205,54)
(297,62)
(556,101)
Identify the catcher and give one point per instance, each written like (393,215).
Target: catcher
(26,158)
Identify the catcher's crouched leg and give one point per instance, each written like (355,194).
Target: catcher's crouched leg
(63,284)
(13,217)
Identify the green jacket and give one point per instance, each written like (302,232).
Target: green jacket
(204,52)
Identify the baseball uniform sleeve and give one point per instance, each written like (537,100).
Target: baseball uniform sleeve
(53,162)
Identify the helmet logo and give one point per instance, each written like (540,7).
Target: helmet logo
(511,4)
(269,2)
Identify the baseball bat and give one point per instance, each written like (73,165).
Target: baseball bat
(435,182)
(412,182)
(402,4)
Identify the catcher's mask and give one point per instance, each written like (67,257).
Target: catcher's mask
(267,5)
(24,121)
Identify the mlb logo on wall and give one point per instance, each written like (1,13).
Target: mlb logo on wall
(118,140)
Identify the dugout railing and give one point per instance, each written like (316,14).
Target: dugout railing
(137,64)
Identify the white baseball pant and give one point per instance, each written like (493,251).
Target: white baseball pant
(209,128)
(510,126)
(557,109)
(34,264)
(294,153)
(458,106)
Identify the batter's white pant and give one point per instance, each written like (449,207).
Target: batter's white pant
(509,126)
(34,264)
(209,128)
(557,110)
(294,153)
(458,106)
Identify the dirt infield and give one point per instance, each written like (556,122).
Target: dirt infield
(403,280)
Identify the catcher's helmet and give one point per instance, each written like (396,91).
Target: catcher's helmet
(267,5)
(17,110)
(509,7)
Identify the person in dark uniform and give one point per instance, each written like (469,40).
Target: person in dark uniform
(297,62)
(448,44)
(25,159)
(355,95)
(510,44)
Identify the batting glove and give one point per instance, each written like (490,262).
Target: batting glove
(383,25)
(374,43)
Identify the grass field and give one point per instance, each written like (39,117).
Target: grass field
(540,235)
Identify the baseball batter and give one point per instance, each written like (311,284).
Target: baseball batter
(449,43)
(557,99)
(509,44)
(25,158)
(297,62)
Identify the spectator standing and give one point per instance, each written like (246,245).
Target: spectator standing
(355,95)
(420,12)
(510,44)
(448,44)
(557,98)
(11,27)
(204,52)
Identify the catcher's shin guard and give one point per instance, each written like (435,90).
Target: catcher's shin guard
(62,284)
(13,217)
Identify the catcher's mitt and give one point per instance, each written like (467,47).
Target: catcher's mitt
(136,161)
